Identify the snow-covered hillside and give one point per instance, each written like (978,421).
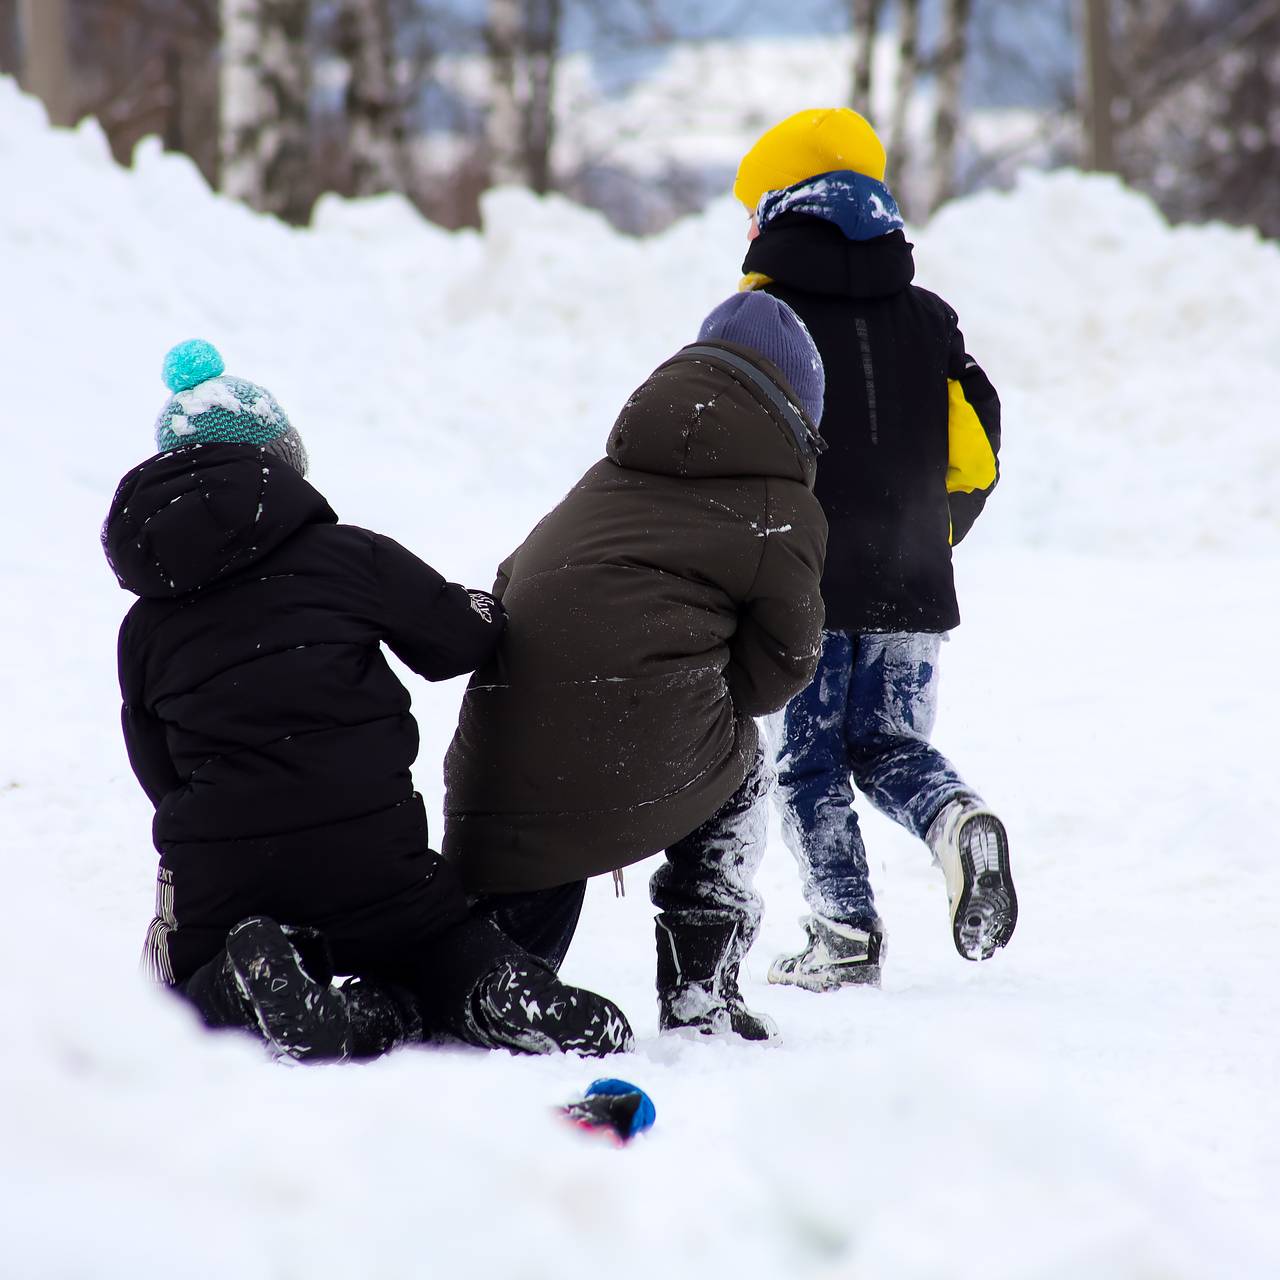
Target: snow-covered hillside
(1099,1099)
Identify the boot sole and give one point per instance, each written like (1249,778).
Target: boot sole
(297,1018)
(857,973)
(987,909)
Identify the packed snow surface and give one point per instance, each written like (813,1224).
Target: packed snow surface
(1099,1099)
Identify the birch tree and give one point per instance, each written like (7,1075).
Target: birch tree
(523,39)
(265,87)
(949,81)
(375,114)
(503,126)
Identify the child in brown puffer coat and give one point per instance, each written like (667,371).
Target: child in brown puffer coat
(667,601)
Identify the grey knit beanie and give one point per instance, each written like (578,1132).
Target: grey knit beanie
(763,323)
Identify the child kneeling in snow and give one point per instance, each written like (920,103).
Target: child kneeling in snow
(670,598)
(267,728)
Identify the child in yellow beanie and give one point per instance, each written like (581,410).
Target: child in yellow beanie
(913,426)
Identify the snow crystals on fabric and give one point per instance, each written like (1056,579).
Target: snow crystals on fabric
(860,206)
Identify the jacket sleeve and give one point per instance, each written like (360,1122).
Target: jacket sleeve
(503,579)
(144,732)
(774,652)
(973,432)
(436,628)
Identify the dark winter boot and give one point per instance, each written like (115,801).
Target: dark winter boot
(521,1005)
(383,1017)
(261,983)
(837,955)
(698,977)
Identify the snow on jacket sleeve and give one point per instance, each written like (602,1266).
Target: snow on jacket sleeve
(144,732)
(436,628)
(973,429)
(774,652)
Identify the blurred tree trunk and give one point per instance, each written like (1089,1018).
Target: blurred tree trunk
(375,115)
(908,73)
(9,44)
(523,38)
(1100,152)
(503,38)
(46,60)
(1196,119)
(950,82)
(265,109)
(146,67)
(191,103)
(866,21)
(542,49)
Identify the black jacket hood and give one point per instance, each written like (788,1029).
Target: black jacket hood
(699,418)
(812,254)
(185,520)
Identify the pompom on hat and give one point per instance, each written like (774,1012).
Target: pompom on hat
(208,406)
(806,144)
(768,326)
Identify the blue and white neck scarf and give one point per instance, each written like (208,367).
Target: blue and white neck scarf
(860,206)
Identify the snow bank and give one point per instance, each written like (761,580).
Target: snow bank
(1138,363)
(1100,1100)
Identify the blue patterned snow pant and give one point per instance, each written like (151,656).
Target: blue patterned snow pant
(868,713)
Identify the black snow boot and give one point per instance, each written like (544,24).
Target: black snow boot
(521,1005)
(261,982)
(698,977)
(383,1017)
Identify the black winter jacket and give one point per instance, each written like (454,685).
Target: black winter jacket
(670,598)
(260,715)
(912,422)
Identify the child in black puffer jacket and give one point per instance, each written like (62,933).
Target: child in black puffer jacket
(266,726)
(913,425)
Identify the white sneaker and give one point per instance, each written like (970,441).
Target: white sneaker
(836,955)
(970,845)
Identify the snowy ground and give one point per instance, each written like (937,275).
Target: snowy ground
(1100,1099)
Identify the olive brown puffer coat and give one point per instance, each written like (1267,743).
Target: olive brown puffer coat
(672,596)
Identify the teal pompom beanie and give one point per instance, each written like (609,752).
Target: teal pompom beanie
(210,407)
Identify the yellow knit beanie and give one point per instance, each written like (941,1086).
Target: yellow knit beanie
(805,144)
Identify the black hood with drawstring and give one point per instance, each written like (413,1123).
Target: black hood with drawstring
(260,713)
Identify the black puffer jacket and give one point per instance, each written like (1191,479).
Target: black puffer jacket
(260,714)
(672,596)
(907,414)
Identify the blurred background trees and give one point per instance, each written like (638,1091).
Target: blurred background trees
(278,101)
